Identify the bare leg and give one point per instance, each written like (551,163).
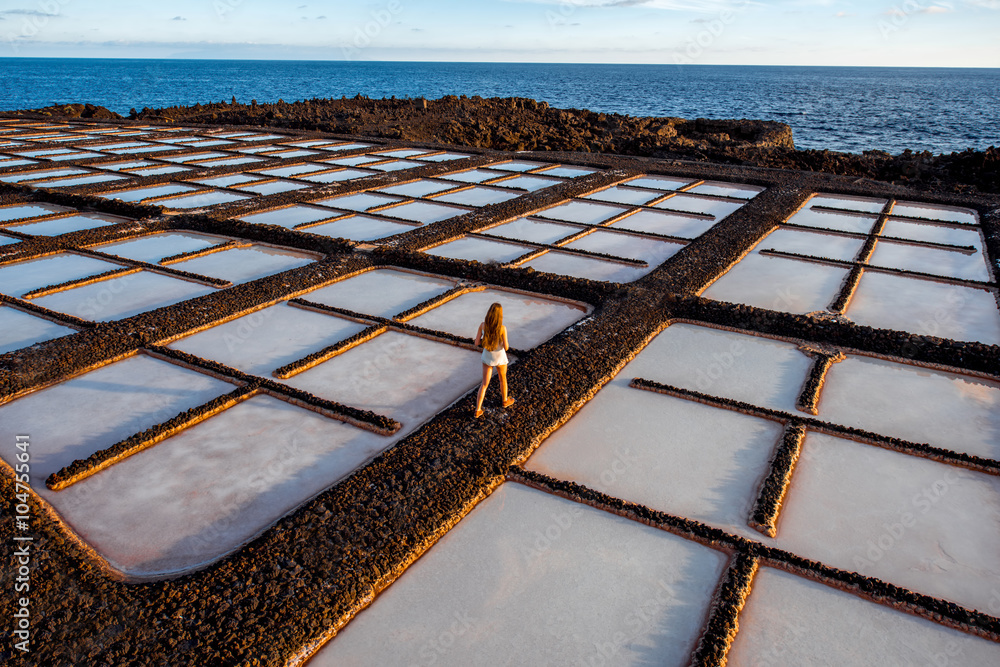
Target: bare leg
(502,370)
(487,375)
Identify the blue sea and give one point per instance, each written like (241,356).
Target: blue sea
(851,109)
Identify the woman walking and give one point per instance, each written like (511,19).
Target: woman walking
(492,335)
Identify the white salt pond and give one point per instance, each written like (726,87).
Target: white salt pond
(359,202)
(583,212)
(530,320)
(721,189)
(935,212)
(918,231)
(650,250)
(200,200)
(478,196)
(789,620)
(913,522)
(271,187)
(158,170)
(624,195)
(535,231)
(530,183)
(779,283)
(124,296)
(20,329)
(719,208)
(816,244)
(565,172)
(956,412)
(844,222)
(926,307)
(238,265)
(356,160)
(661,222)
(19,211)
(660,182)
(396,165)
(474,175)
(207,490)
(866,204)
(444,157)
(290,216)
(479,249)
(937,261)
(581,266)
(21,277)
(79,180)
(8,240)
(381,292)
(150,192)
(154,247)
(38,175)
(422,211)
(292,170)
(574,586)
(359,228)
(520,165)
(418,188)
(72,223)
(336,176)
(405,377)
(267,339)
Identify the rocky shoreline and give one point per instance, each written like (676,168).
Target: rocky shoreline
(524,124)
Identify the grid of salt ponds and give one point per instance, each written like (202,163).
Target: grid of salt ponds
(124,295)
(263,456)
(958,300)
(623,221)
(40,219)
(518,561)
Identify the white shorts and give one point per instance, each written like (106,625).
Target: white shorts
(495,358)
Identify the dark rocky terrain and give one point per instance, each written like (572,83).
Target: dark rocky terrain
(524,124)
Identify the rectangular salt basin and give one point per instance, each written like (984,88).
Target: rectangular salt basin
(947,410)
(290,216)
(906,229)
(926,307)
(358,202)
(98,409)
(844,222)
(403,152)
(420,188)
(865,204)
(530,320)
(41,174)
(583,212)
(397,165)
(444,157)
(228,162)
(271,188)
(916,523)
(25,211)
(581,266)
(422,211)
(779,283)
(474,175)
(20,329)
(202,199)
(21,277)
(381,292)
(530,183)
(239,265)
(8,240)
(935,212)
(480,250)
(209,489)
(660,182)
(359,228)
(520,166)
(405,377)
(79,180)
(269,338)
(937,261)
(229,180)
(293,170)
(478,196)
(536,231)
(624,195)
(669,454)
(789,620)
(801,242)
(189,157)
(154,247)
(337,176)
(118,166)
(73,223)
(74,156)
(652,251)
(661,222)
(737,190)
(156,171)
(124,296)
(528,578)
(150,192)
(718,208)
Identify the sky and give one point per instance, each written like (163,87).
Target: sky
(907,33)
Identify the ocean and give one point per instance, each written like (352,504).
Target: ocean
(851,109)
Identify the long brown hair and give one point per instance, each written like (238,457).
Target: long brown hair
(491,332)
